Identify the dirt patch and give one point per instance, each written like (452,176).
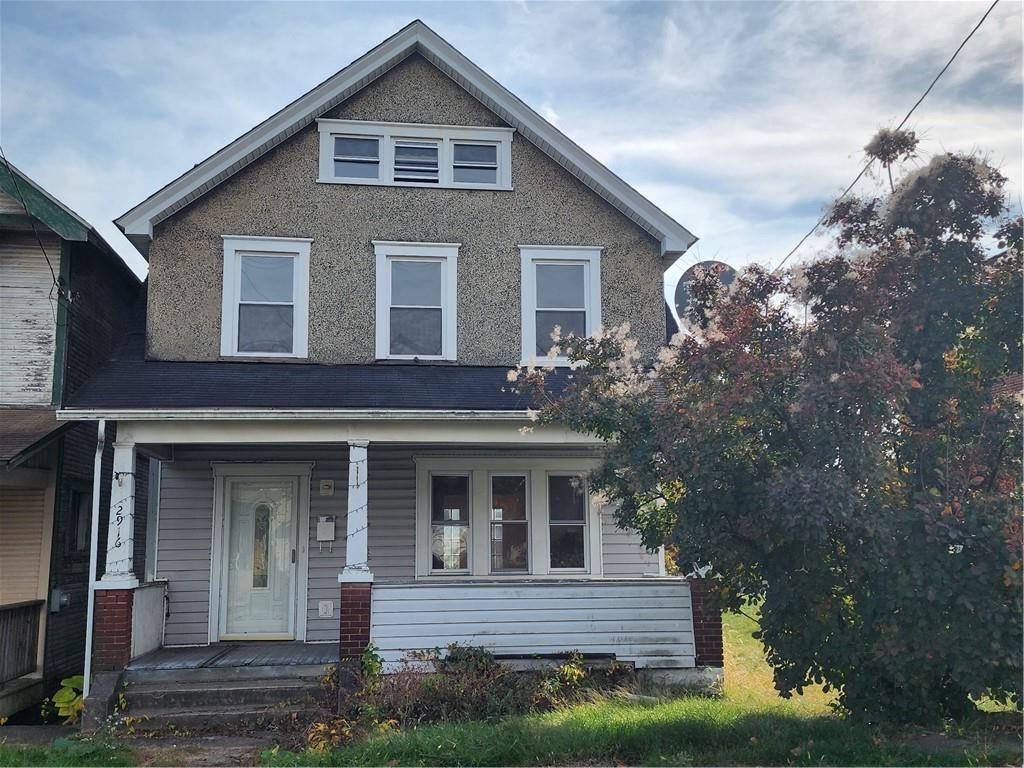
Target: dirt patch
(199,750)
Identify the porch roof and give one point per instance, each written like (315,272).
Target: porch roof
(166,385)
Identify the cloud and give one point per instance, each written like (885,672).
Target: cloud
(741,119)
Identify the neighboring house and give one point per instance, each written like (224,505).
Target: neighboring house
(64,297)
(335,300)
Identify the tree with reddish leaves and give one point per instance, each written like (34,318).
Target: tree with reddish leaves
(827,440)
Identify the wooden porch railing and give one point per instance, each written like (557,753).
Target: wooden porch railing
(19,638)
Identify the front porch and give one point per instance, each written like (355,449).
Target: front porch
(279,548)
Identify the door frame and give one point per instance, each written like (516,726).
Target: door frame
(224,471)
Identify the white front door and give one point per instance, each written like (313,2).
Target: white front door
(258,578)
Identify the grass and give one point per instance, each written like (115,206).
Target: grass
(65,752)
(748,725)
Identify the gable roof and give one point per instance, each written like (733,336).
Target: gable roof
(417,37)
(53,214)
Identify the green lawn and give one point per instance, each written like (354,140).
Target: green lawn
(749,725)
(65,752)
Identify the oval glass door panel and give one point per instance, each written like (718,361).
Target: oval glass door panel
(259,542)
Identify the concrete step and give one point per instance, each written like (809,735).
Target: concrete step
(237,718)
(200,694)
(293,672)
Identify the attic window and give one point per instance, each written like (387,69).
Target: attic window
(415,155)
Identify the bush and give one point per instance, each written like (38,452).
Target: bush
(467,683)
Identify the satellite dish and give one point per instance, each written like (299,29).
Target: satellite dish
(682,298)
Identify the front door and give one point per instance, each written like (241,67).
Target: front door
(258,579)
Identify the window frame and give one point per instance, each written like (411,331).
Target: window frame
(431,523)
(354,158)
(446,136)
(480,469)
(236,246)
(447,254)
(527,523)
(532,255)
(562,523)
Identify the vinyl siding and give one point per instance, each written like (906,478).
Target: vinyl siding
(647,622)
(186,519)
(622,551)
(27,318)
(22,518)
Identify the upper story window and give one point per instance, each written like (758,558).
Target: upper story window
(561,288)
(416,300)
(415,154)
(265,306)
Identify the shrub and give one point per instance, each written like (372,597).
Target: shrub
(467,683)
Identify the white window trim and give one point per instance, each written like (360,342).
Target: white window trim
(586,521)
(480,471)
(448,255)
(530,255)
(430,523)
(298,248)
(388,133)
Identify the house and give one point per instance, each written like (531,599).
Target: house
(64,295)
(334,302)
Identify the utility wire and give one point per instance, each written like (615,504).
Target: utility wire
(39,241)
(903,122)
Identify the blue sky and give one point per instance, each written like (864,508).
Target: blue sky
(741,119)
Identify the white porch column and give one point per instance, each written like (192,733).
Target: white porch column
(357,568)
(118,570)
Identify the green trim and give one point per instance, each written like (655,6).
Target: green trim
(61,340)
(41,205)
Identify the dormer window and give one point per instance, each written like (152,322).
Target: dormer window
(415,155)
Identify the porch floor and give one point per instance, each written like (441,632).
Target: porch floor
(247,654)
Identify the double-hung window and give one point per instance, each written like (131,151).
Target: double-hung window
(449,522)
(567,522)
(416,300)
(265,309)
(415,155)
(510,527)
(561,290)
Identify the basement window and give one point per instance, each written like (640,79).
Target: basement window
(415,155)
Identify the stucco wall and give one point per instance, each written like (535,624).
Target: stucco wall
(278,196)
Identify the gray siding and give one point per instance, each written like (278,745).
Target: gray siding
(186,520)
(622,551)
(648,622)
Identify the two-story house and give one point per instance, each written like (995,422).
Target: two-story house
(65,295)
(335,301)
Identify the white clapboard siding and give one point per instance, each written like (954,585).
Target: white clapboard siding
(21,544)
(9,205)
(648,623)
(28,308)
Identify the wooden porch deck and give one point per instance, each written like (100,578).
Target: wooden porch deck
(229,655)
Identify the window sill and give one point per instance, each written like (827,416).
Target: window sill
(414,185)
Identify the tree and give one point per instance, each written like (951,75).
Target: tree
(828,440)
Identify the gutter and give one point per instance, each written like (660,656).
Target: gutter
(304,414)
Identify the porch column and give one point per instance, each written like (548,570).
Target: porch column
(118,571)
(356,580)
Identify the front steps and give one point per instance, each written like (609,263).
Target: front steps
(214,698)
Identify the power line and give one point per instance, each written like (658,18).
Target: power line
(903,122)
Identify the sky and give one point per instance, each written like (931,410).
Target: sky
(742,120)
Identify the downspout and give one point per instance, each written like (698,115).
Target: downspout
(94,535)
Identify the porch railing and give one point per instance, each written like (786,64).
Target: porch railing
(19,638)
